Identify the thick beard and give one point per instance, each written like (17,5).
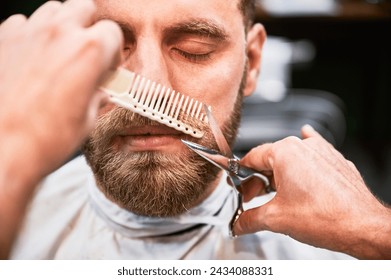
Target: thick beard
(153,183)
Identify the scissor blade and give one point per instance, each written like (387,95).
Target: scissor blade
(242,173)
(210,155)
(218,134)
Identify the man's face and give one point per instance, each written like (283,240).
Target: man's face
(196,47)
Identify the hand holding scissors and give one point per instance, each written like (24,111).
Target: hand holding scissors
(227,161)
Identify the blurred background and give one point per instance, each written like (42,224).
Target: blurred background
(326,63)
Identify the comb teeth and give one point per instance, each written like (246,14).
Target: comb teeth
(155,101)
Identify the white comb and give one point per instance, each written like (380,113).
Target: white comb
(154,101)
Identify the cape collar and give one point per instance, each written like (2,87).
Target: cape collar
(216,210)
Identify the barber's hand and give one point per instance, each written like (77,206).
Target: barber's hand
(51,66)
(321,199)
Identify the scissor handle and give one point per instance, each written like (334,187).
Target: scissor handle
(239,174)
(246,173)
(243,173)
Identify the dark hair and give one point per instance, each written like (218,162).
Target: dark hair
(247,7)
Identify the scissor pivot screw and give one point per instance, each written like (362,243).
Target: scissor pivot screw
(233,165)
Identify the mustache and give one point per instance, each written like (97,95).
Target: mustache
(117,119)
(120,118)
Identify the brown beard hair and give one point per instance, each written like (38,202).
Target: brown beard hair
(153,184)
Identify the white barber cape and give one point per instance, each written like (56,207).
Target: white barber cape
(69,218)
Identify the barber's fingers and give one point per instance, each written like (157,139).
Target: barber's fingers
(314,140)
(83,12)
(109,34)
(253,220)
(311,135)
(45,12)
(11,24)
(253,188)
(259,158)
(283,152)
(331,155)
(325,149)
(308,131)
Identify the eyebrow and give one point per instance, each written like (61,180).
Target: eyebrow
(200,27)
(195,26)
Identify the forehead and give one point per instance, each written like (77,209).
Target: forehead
(159,13)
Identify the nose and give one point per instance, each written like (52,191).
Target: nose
(147,59)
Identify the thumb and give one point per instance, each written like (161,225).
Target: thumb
(252,220)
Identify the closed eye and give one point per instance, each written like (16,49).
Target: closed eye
(193,57)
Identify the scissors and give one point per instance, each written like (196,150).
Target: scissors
(227,161)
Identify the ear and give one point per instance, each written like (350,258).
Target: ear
(255,40)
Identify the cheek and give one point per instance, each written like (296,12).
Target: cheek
(219,88)
(215,85)
(222,95)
